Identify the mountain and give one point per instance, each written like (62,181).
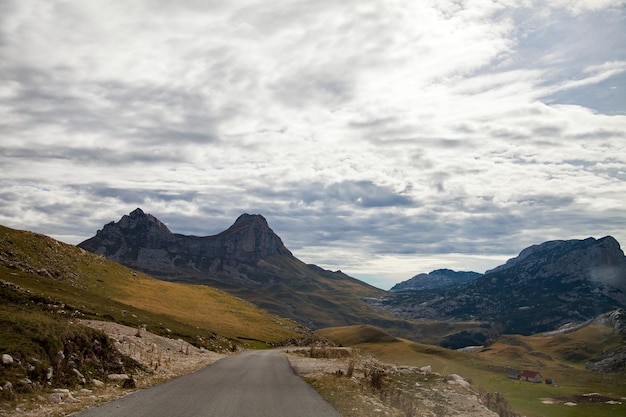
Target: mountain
(544,288)
(436,279)
(141,241)
(247,260)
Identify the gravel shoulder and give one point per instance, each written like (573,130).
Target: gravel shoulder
(167,358)
(350,384)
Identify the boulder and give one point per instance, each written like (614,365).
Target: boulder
(118,377)
(55,398)
(81,377)
(7,360)
(454,379)
(64,394)
(97,383)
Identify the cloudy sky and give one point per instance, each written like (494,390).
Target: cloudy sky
(382,138)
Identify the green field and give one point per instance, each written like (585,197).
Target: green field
(487,369)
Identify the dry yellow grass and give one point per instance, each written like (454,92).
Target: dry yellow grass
(99,288)
(560,357)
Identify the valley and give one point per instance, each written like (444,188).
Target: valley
(555,310)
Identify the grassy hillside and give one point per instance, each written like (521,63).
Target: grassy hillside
(305,293)
(560,357)
(46,287)
(92,286)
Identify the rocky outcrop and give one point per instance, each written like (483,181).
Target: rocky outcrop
(599,260)
(439,278)
(141,241)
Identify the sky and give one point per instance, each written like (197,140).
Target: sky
(382,138)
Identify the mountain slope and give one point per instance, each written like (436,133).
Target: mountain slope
(545,287)
(597,345)
(89,285)
(247,260)
(439,278)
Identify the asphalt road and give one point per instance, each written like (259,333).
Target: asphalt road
(251,384)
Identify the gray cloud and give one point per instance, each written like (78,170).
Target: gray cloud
(378,138)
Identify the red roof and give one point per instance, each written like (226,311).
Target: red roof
(529,374)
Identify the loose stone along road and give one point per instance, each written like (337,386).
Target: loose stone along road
(251,384)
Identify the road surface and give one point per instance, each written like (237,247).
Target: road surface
(251,384)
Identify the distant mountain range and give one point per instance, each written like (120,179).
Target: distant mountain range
(439,278)
(544,288)
(247,260)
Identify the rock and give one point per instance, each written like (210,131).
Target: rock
(65,395)
(59,357)
(7,360)
(426,370)
(55,398)
(7,392)
(454,379)
(81,377)
(118,377)
(97,383)
(49,373)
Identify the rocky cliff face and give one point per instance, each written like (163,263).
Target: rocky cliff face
(545,287)
(439,278)
(141,241)
(599,260)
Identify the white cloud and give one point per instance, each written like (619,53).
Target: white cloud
(396,134)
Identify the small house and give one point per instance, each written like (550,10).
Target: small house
(531,376)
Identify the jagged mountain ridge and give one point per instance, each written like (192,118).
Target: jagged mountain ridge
(142,240)
(545,287)
(247,260)
(438,278)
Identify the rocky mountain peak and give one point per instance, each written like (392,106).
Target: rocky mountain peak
(594,259)
(142,241)
(139,221)
(251,237)
(133,231)
(251,218)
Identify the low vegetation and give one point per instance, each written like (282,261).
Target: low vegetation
(357,384)
(561,358)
